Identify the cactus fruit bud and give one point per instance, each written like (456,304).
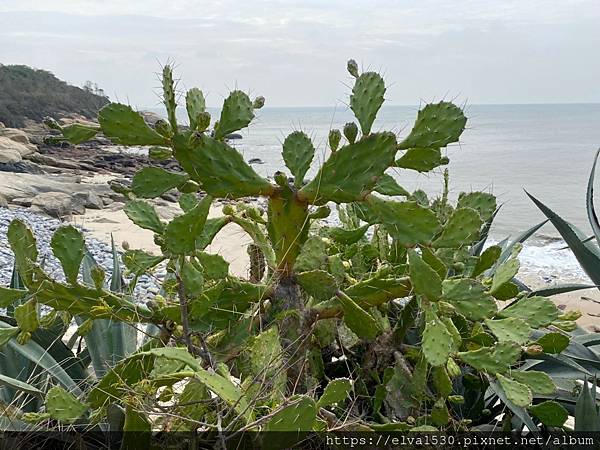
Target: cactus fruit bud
(23,337)
(458,266)
(352,68)
(228,210)
(351,132)
(51,123)
(98,276)
(570,315)
(456,399)
(281,179)
(85,327)
(203,121)
(565,325)
(534,350)
(334,139)
(452,368)
(159,153)
(163,127)
(258,102)
(446,309)
(125,245)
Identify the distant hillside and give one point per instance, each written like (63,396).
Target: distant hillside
(27,93)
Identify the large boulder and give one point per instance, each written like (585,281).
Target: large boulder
(58,204)
(21,137)
(11,149)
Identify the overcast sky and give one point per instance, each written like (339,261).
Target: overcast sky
(294,52)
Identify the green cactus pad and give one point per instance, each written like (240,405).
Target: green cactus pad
(516,392)
(144,215)
(462,228)
(482,202)
(298,153)
(187,201)
(366,99)
(77,133)
(193,280)
(456,337)
(64,406)
(375,291)
(469,298)
(388,186)
(237,113)
(318,283)
(437,341)
(195,104)
(434,261)
(313,255)
(539,382)
(299,416)
(550,413)
(487,260)
(68,247)
(219,168)
(504,273)
(497,359)
(181,233)
(507,291)
(139,262)
(27,317)
(23,244)
(357,319)
(424,279)
(352,172)
(510,329)
(347,237)
(169,101)
(211,228)
(437,125)
(439,413)
(553,342)
(536,311)
(160,153)
(420,159)
(214,266)
(441,381)
(8,296)
(407,222)
(336,391)
(122,125)
(151,182)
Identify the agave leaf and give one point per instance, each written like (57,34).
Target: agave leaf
(591,211)
(587,256)
(521,413)
(559,289)
(586,411)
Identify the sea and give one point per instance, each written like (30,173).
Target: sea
(546,149)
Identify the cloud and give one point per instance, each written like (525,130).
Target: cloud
(294,53)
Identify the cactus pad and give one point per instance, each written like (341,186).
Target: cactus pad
(357,319)
(516,392)
(366,99)
(318,283)
(504,273)
(299,416)
(424,279)
(160,153)
(68,247)
(64,406)
(183,231)
(237,113)
(27,317)
(214,266)
(77,133)
(487,260)
(407,222)
(462,229)
(151,182)
(352,172)
(550,413)
(469,298)
(441,380)
(553,342)
(219,168)
(420,159)
(138,261)
(511,329)
(437,341)
(168,85)
(336,391)
(497,359)
(388,186)
(195,105)
(347,237)
(539,382)
(298,153)
(482,202)
(144,215)
(536,311)
(437,125)
(122,125)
